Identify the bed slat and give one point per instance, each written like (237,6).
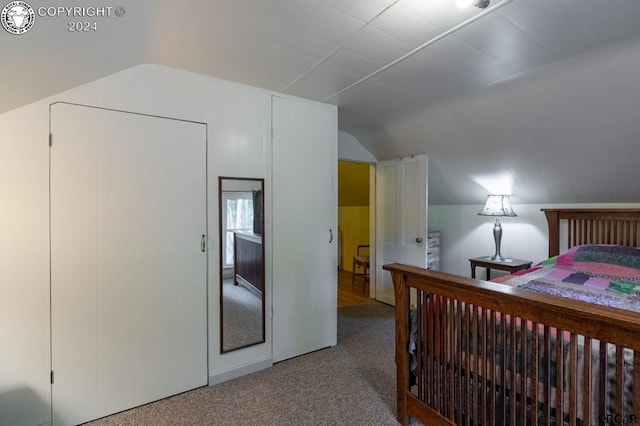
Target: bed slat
(636,382)
(534,375)
(467,374)
(483,363)
(559,398)
(523,369)
(602,380)
(513,374)
(504,379)
(619,386)
(457,360)
(491,361)
(450,357)
(586,382)
(573,381)
(546,368)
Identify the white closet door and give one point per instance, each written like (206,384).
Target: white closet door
(128,276)
(401,199)
(304,227)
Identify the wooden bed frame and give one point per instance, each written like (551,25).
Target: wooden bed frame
(454,382)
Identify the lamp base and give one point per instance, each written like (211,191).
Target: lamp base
(497,238)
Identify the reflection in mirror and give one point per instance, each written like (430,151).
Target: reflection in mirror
(241,262)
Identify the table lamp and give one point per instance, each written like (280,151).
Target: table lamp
(497,205)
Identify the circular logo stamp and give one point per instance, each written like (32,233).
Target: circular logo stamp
(17,17)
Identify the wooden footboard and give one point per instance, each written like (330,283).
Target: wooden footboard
(484,354)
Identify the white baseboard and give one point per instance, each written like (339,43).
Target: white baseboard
(246,284)
(239,371)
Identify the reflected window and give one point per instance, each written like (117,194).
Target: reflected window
(238,217)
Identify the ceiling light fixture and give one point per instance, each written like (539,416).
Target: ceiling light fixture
(481,4)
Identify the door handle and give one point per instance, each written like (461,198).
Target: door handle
(419,240)
(330,236)
(203,243)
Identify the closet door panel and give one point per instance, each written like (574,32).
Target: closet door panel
(304,227)
(128,277)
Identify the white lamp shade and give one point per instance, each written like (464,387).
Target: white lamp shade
(497,205)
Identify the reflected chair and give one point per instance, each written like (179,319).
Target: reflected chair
(361,259)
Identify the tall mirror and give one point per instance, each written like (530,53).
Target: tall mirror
(242,297)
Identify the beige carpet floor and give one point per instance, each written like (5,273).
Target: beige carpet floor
(352,383)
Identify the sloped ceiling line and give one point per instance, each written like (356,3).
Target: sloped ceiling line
(337,48)
(421,47)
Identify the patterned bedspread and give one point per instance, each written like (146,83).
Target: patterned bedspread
(602,274)
(606,275)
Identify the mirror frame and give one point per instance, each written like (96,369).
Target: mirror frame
(221,179)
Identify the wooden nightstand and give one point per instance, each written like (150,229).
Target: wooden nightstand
(509,265)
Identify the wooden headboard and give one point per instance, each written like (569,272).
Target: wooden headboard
(593,226)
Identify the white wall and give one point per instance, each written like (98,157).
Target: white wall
(24,267)
(350,149)
(464,234)
(239,145)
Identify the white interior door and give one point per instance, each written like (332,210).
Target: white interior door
(305,236)
(401,218)
(128,276)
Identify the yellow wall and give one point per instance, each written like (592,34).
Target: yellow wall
(353,184)
(353,223)
(353,209)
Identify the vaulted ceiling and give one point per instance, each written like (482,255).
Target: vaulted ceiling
(536,97)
